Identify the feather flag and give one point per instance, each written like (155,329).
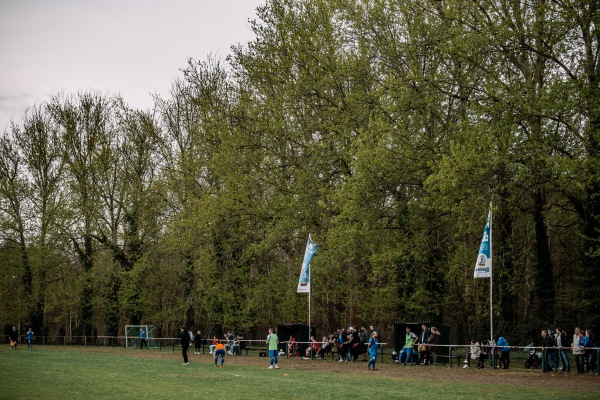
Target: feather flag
(304,281)
(483,266)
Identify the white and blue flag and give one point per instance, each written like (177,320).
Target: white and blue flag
(304,281)
(483,266)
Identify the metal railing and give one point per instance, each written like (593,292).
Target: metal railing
(459,352)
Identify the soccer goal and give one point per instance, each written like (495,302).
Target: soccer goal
(133,337)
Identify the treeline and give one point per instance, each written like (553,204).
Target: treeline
(383,128)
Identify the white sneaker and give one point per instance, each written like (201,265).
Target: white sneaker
(187,363)
(270,367)
(276,366)
(465,366)
(210,352)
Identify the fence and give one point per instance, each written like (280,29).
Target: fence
(455,352)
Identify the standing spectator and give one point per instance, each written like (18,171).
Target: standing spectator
(30,336)
(493,353)
(143,339)
(577,351)
(561,343)
(373,346)
(546,343)
(214,344)
(198,342)
(353,344)
(586,343)
(371,331)
(434,338)
(219,351)
(273,342)
(14,338)
(504,352)
(407,350)
(185,344)
(423,340)
(552,351)
(342,345)
(364,340)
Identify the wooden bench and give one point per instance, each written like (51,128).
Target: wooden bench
(254,348)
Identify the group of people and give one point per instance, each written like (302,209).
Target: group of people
(497,350)
(426,343)
(232,344)
(555,344)
(350,344)
(14,338)
(218,348)
(555,351)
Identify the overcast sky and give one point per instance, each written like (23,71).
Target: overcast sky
(131,47)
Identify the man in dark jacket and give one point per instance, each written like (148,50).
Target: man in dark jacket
(14,337)
(423,339)
(354,343)
(547,343)
(185,344)
(364,341)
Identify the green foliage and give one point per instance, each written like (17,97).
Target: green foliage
(384,129)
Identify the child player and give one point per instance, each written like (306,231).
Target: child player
(373,345)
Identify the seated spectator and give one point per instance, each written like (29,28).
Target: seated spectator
(484,355)
(292,347)
(227,343)
(215,342)
(326,347)
(312,349)
(230,342)
(473,354)
(407,350)
(235,346)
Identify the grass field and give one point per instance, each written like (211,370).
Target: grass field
(58,372)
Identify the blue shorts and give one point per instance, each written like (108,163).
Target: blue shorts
(220,352)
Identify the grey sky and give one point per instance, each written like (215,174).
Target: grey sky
(131,47)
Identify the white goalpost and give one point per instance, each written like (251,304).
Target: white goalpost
(133,338)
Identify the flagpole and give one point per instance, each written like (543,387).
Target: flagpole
(309,331)
(491,278)
(304,281)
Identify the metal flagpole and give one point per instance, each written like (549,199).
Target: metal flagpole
(491,278)
(309,332)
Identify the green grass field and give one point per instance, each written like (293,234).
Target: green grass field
(56,372)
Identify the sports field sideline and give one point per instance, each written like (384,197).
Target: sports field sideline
(59,372)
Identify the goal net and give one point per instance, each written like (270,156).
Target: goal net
(133,336)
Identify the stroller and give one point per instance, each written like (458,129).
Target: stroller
(535,357)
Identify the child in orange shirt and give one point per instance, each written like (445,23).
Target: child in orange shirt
(219,351)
